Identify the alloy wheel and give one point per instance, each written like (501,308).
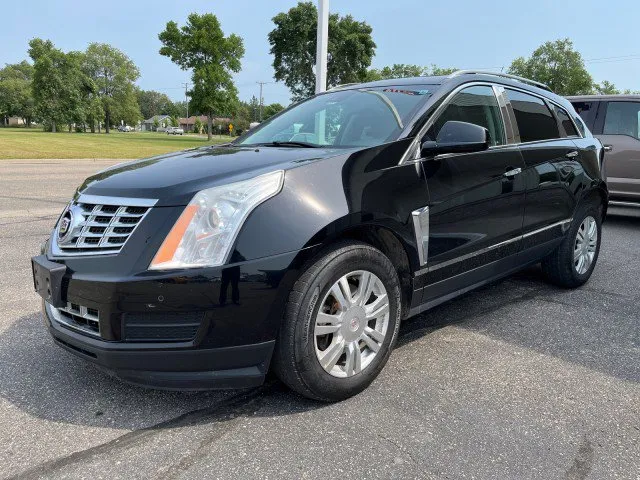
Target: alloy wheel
(352,324)
(585,245)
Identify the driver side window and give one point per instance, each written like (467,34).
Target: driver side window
(477,105)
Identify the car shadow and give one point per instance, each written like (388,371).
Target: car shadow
(593,326)
(47,382)
(41,379)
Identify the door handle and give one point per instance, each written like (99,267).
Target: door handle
(572,154)
(513,172)
(608,148)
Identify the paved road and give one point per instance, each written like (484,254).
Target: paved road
(517,380)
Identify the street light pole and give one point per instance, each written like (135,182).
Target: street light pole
(322,47)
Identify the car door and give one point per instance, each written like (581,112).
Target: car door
(621,132)
(550,160)
(476,199)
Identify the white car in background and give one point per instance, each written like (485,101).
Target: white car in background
(175,131)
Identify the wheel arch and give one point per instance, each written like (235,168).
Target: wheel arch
(597,193)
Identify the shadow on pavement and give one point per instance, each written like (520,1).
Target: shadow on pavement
(41,379)
(592,326)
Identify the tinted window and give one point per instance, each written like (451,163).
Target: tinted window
(565,121)
(534,119)
(581,125)
(476,105)
(587,110)
(347,118)
(622,119)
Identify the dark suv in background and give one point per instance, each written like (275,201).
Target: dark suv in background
(615,120)
(304,243)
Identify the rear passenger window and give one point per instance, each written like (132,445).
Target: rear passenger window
(534,118)
(622,119)
(477,105)
(566,122)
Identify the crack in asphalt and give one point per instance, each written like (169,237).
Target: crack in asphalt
(37,219)
(221,413)
(217,434)
(36,199)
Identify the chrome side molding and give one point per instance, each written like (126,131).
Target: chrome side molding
(564,224)
(421,228)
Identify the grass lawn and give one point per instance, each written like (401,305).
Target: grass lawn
(34,143)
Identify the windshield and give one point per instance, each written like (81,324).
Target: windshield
(348,118)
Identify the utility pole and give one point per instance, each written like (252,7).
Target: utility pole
(186,97)
(323,46)
(262,84)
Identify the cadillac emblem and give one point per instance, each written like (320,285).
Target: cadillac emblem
(65,226)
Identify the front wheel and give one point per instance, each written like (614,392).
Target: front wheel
(340,324)
(573,262)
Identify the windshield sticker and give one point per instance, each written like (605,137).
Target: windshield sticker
(406,92)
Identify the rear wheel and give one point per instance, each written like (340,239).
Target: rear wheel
(572,263)
(340,324)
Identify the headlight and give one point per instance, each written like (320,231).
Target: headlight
(205,232)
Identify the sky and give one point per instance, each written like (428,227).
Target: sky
(461,33)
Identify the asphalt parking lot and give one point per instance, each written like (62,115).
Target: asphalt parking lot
(518,380)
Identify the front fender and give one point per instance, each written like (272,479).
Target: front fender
(322,200)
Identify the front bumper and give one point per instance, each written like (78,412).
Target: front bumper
(165,367)
(231,348)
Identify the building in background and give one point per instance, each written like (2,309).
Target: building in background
(149,124)
(187,124)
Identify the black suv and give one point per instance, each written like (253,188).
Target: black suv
(304,243)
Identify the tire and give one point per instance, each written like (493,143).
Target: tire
(560,268)
(301,342)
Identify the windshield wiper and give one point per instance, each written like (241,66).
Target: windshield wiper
(288,144)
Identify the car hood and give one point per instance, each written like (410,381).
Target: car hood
(174,179)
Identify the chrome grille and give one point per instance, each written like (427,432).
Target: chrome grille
(93,225)
(78,317)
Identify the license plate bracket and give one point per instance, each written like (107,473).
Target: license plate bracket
(47,279)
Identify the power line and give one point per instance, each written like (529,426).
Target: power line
(616,58)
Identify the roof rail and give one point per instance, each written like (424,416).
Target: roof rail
(500,74)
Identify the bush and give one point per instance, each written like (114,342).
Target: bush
(197,126)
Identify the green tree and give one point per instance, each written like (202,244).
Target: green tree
(124,107)
(178,109)
(202,47)
(153,103)
(270,110)
(95,113)
(156,124)
(254,108)
(405,71)
(60,88)
(293,45)
(114,75)
(16,97)
(558,65)
(242,115)
(605,88)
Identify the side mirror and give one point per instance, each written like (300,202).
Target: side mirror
(457,137)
